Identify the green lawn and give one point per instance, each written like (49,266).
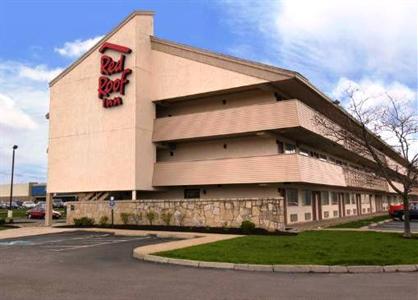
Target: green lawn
(361,223)
(311,247)
(17,213)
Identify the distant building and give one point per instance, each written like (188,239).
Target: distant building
(31,191)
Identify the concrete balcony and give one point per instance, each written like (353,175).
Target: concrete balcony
(260,169)
(232,121)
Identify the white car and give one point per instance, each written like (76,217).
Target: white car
(28,204)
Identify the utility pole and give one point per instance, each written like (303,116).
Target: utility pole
(10,211)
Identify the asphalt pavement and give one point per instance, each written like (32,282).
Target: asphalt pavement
(86,265)
(397,226)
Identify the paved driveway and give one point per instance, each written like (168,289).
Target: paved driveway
(397,226)
(86,265)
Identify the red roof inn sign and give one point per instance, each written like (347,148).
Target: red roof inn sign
(108,67)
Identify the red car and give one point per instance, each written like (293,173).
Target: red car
(38,212)
(395,209)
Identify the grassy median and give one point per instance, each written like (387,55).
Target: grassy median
(362,223)
(311,247)
(17,213)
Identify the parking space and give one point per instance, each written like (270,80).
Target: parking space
(397,226)
(70,241)
(96,265)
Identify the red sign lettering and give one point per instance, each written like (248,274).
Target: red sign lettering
(108,66)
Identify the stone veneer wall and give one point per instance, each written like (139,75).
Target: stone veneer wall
(264,212)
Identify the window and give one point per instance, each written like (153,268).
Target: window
(191,193)
(314,154)
(368,209)
(364,210)
(326,214)
(280,147)
(346,198)
(292,197)
(289,148)
(353,199)
(324,198)
(293,218)
(334,198)
(354,211)
(278,96)
(348,212)
(335,213)
(308,216)
(307,198)
(322,157)
(304,152)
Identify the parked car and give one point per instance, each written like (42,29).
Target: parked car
(15,205)
(38,212)
(28,204)
(58,203)
(397,211)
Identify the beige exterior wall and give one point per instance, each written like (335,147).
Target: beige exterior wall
(19,190)
(207,104)
(204,150)
(96,149)
(176,76)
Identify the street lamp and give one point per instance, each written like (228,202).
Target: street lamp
(10,212)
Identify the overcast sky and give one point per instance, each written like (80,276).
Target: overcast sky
(370,43)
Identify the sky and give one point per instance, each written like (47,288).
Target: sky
(370,44)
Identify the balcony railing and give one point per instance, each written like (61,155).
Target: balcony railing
(260,169)
(230,121)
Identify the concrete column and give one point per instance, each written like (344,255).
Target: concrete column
(134,195)
(48,210)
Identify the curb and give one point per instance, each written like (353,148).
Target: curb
(280,268)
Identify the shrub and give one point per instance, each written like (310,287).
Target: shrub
(247,227)
(2,221)
(137,217)
(166,217)
(151,216)
(103,221)
(125,218)
(83,222)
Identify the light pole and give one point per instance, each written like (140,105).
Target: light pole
(10,211)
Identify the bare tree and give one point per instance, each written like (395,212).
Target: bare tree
(388,120)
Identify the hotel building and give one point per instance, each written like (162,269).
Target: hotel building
(138,117)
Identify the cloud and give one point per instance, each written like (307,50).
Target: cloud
(38,73)
(328,39)
(24,100)
(377,94)
(376,90)
(13,116)
(78,47)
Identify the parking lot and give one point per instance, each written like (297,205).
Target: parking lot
(97,265)
(397,226)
